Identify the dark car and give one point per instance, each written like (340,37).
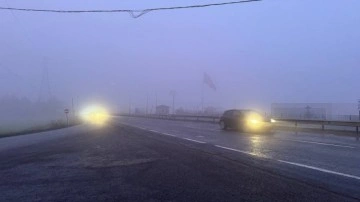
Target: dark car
(245,120)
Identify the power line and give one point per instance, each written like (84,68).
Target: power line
(133,13)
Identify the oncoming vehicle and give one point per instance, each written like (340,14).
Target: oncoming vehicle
(245,120)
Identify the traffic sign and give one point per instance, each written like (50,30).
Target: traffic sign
(67,118)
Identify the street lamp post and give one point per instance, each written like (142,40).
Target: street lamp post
(173,94)
(359,108)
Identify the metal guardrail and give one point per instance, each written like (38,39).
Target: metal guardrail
(195,118)
(295,123)
(322,123)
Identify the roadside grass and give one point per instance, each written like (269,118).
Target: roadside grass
(53,125)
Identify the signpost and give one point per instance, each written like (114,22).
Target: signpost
(66,111)
(359,108)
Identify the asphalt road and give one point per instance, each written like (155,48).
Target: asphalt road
(152,160)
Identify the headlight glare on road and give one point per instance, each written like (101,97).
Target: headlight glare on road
(272,120)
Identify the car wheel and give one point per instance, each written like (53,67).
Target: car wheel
(222,125)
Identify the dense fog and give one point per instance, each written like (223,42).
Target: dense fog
(239,56)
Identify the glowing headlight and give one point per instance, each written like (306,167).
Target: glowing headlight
(254,121)
(272,120)
(94,114)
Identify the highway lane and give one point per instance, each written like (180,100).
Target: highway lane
(335,155)
(124,163)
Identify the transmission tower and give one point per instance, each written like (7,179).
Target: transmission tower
(45,90)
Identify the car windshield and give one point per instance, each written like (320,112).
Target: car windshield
(192,100)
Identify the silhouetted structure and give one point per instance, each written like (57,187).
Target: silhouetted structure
(162,109)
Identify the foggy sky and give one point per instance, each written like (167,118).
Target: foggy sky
(256,53)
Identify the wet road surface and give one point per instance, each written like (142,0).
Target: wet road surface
(325,151)
(145,160)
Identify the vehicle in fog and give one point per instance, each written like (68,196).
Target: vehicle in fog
(245,120)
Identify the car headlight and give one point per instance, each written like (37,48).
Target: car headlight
(254,121)
(272,120)
(95,114)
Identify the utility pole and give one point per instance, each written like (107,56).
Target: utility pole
(202,97)
(173,94)
(72,106)
(155,103)
(45,90)
(147,103)
(173,105)
(359,108)
(156,100)
(129,105)
(72,109)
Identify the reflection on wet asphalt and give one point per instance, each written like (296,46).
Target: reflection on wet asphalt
(326,151)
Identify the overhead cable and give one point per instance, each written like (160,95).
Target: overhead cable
(133,13)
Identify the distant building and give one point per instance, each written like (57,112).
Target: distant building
(139,111)
(162,110)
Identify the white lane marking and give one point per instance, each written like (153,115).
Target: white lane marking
(197,141)
(155,131)
(197,128)
(322,143)
(168,134)
(194,127)
(320,169)
(201,142)
(296,164)
(231,149)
